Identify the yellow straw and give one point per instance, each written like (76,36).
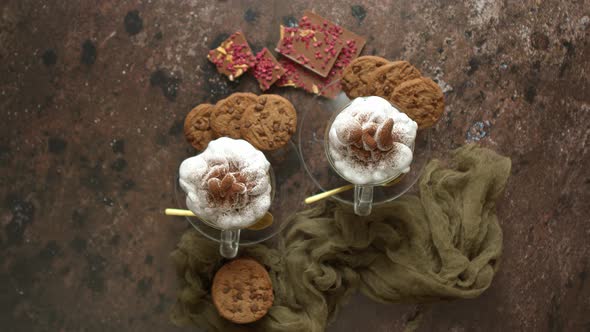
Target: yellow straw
(179,212)
(326,194)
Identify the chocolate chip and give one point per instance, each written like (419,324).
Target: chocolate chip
(202,124)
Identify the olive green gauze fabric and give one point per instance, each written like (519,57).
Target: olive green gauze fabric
(445,244)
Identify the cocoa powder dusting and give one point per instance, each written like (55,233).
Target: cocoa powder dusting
(367,140)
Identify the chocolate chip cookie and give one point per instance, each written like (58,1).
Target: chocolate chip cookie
(421,99)
(197,130)
(386,78)
(356,77)
(242,291)
(269,123)
(227,116)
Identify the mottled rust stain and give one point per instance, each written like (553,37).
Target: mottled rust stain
(92,99)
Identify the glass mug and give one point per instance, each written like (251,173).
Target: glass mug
(363,194)
(229,238)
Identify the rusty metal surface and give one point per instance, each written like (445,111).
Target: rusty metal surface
(92,99)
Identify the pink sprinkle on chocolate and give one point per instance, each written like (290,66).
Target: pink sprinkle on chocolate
(311,46)
(267,70)
(233,57)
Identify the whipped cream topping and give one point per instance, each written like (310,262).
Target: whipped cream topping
(370,141)
(228,184)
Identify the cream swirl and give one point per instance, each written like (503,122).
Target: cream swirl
(370,141)
(228,184)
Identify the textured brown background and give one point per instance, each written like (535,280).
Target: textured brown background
(91,107)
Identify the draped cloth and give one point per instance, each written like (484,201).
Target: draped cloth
(444,244)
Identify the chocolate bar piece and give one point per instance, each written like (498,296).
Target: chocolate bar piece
(267,69)
(315,50)
(353,43)
(233,57)
(298,77)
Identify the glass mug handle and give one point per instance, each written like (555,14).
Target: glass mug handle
(228,246)
(363,200)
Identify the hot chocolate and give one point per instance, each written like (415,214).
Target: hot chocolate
(228,185)
(371,142)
